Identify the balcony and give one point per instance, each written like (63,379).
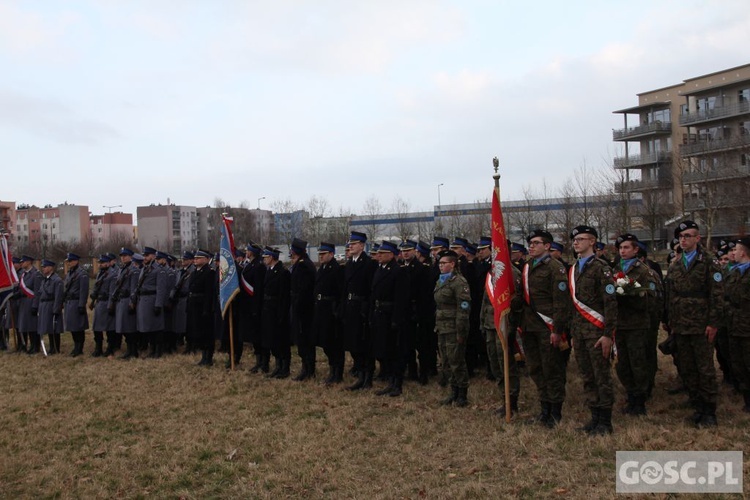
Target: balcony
(657,127)
(642,185)
(711,146)
(642,159)
(717,113)
(722,173)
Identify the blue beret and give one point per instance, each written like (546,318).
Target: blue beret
(149,250)
(326,247)
(440,241)
(599,245)
(72,256)
(273,252)
(388,246)
(357,236)
(48,263)
(126,251)
(484,242)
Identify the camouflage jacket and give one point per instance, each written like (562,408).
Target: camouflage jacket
(545,292)
(633,311)
(487,314)
(738,291)
(452,306)
(594,289)
(695,295)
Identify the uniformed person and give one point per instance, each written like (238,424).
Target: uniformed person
(635,289)
(544,321)
(302,286)
(326,327)
(275,313)
(738,291)
(28,304)
(202,289)
(389,301)
(358,274)
(252,279)
(76,292)
(518,255)
(50,294)
(103,321)
(122,303)
(151,296)
(417,279)
(10,311)
(169,343)
(726,255)
(695,291)
(426,341)
(452,308)
(178,298)
(655,313)
(494,344)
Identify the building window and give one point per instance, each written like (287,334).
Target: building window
(744,128)
(743,95)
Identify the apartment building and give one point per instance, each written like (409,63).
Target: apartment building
(170,228)
(117,226)
(687,153)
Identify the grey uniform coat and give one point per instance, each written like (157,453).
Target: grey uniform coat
(120,298)
(103,321)
(76,293)
(151,296)
(180,299)
(171,275)
(50,293)
(26,321)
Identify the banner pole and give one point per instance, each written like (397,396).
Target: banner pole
(231,337)
(503,326)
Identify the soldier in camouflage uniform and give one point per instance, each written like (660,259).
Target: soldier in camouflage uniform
(738,290)
(655,314)
(495,345)
(634,301)
(544,320)
(592,326)
(695,292)
(726,256)
(452,308)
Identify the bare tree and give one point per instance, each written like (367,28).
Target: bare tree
(524,217)
(289,220)
(373,211)
(404,228)
(315,226)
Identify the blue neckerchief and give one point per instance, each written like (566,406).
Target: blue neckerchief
(626,263)
(582,262)
(742,267)
(444,277)
(687,257)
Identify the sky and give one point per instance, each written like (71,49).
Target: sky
(107,103)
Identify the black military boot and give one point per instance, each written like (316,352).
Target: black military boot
(368,379)
(697,415)
(331,375)
(311,367)
(57,343)
(265,360)
(387,389)
(424,376)
(555,415)
(359,384)
(284,372)
(97,349)
(303,373)
(33,346)
(708,418)
(110,345)
(204,357)
(398,385)
(628,410)
(513,407)
(604,426)
(256,366)
(51,339)
(746,397)
(461,397)
(276,368)
(544,414)
(589,427)
(450,399)
(412,372)
(639,406)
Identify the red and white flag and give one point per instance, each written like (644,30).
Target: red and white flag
(8,275)
(500,284)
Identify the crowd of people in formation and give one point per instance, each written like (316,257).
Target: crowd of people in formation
(421,311)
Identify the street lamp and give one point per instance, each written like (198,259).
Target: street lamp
(110,207)
(439,195)
(262,198)
(438,226)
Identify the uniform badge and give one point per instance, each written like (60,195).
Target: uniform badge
(717,277)
(562,286)
(464,305)
(610,289)
(652,285)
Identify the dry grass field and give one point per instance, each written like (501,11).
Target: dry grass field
(104,428)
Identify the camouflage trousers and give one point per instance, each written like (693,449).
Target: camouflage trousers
(633,364)
(495,359)
(453,357)
(696,357)
(546,365)
(739,349)
(596,373)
